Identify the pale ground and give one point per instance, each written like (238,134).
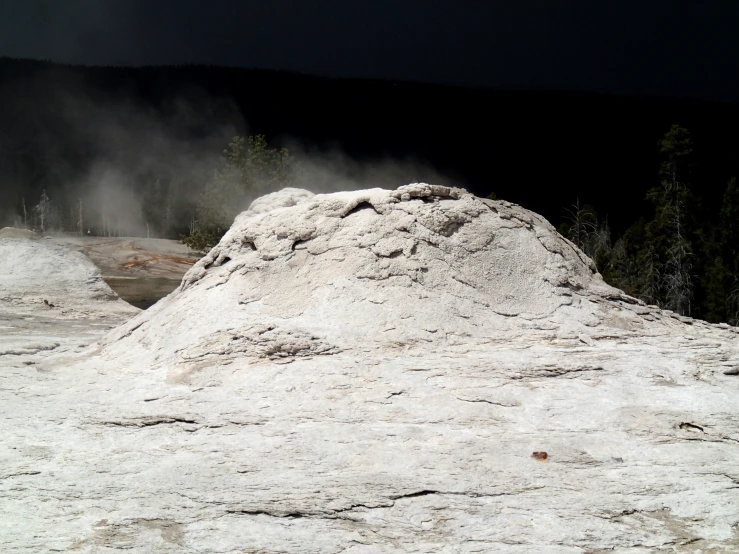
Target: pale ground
(372,372)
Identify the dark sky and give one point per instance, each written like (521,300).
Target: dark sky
(676,48)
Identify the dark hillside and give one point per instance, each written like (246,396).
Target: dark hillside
(537,148)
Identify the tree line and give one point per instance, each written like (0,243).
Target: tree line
(249,168)
(158,210)
(163,204)
(684,258)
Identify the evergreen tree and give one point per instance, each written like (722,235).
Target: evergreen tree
(624,270)
(668,241)
(43,212)
(587,232)
(621,272)
(721,277)
(650,278)
(249,169)
(582,222)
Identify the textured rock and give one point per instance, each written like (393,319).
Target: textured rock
(284,198)
(38,275)
(378,371)
(424,264)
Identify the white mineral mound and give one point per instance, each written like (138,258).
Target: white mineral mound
(423,265)
(39,275)
(382,371)
(284,198)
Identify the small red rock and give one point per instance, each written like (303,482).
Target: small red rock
(540,455)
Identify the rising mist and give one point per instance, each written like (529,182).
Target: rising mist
(113,163)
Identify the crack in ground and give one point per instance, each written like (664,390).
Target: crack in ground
(19,474)
(335,514)
(691,426)
(147,421)
(483,401)
(555,372)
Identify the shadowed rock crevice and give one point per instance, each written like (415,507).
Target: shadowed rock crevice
(359,207)
(148,421)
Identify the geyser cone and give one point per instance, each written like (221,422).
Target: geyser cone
(416,370)
(335,272)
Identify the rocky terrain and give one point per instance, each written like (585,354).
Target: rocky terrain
(417,370)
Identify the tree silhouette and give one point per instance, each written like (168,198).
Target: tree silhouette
(250,168)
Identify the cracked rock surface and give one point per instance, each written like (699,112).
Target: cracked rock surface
(415,370)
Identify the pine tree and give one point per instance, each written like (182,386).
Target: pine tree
(43,211)
(634,267)
(582,222)
(649,281)
(721,277)
(668,236)
(249,169)
(587,232)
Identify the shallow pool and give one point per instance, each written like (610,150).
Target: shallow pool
(142,292)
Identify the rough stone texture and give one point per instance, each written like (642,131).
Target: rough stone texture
(423,265)
(374,372)
(39,275)
(284,198)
